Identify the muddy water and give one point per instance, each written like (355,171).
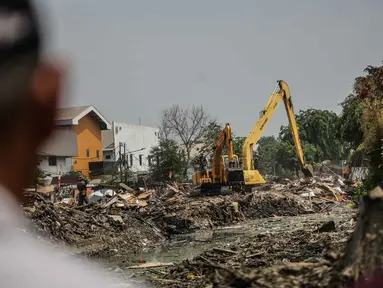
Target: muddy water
(183,247)
(188,246)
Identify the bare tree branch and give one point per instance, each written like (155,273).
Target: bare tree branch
(187,126)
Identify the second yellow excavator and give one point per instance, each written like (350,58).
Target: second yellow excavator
(251,174)
(225,171)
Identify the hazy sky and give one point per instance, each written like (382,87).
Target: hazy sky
(131,59)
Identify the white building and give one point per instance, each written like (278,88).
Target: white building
(57,152)
(134,141)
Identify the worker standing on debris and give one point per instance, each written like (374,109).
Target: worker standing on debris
(81,187)
(29,96)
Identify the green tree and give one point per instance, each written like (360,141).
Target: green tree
(266,161)
(350,124)
(369,88)
(319,128)
(238,144)
(286,159)
(171,158)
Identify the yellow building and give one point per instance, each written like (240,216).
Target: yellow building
(87,122)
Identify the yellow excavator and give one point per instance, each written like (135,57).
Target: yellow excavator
(251,175)
(226,171)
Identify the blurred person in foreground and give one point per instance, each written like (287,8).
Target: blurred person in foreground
(29,95)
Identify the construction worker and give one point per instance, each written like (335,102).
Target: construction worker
(81,187)
(29,96)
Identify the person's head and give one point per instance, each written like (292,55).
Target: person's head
(29,91)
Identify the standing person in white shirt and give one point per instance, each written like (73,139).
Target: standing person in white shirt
(29,96)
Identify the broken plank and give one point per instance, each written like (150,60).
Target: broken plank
(151,265)
(225,250)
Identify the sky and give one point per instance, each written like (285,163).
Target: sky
(133,58)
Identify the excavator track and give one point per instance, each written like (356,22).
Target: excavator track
(210,189)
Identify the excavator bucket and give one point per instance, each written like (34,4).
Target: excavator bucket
(308,171)
(209,189)
(235,177)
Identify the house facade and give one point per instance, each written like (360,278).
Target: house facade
(57,152)
(133,141)
(86,122)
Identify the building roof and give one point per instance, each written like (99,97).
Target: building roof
(71,116)
(62,143)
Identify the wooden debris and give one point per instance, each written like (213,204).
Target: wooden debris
(151,265)
(225,250)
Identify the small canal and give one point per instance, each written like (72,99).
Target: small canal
(182,247)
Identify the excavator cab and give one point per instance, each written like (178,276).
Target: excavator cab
(198,178)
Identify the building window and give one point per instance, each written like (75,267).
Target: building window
(131,160)
(107,157)
(52,161)
(155,133)
(149,161)
(97,154)
(140,160)
(87,153)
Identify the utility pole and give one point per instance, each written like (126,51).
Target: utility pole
(274,169)
(158,167)
(120,159)
(125,164)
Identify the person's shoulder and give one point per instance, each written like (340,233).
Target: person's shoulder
(25,261)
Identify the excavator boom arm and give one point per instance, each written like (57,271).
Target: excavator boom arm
(224,139)
(283,93)
(284,88)
(254,135)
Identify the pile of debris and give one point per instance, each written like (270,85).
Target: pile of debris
(180,214)
(133,219)
(345,255)
(91,230)
(301,258)
(318,190)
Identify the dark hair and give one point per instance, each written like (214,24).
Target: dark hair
(15,77)
(19,57)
